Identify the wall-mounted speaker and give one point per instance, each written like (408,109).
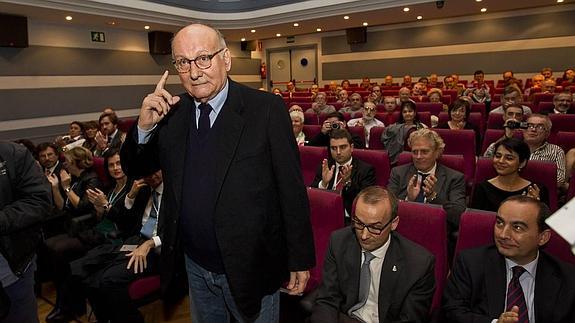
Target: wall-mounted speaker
(249,45)
(356,35)
(160,42)
(13,31)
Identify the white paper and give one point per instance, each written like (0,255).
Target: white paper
(563,222)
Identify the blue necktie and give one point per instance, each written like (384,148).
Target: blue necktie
(204,121)
(421,196)
(364,282)
(150,225)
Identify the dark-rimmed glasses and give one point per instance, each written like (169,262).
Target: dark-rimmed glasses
(359,226)
(183,65)
(536,126)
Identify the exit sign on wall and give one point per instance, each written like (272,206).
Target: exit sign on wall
(98,36)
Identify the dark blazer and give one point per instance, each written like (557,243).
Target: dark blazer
(362,176)
(405,294)
(475,291)
(261,214)
(450,188)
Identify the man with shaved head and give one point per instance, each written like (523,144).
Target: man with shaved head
(235,208)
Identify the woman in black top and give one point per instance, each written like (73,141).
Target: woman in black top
(511,155)
(459,112)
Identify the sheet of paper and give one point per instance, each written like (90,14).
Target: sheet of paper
(563,222)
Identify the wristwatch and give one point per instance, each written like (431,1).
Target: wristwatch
(68,189)
(432,197)
(106,206)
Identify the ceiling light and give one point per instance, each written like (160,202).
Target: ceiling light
(365,23)
(478,0)
(419,17)
(318,29)
(111,23)
(68,18)
(559,1)
(406,9)
(483,9)
(146,27)
(278,35)
(243,39)
(346,17)
(296,24)
(253,30)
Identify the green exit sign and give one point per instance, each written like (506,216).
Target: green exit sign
(98,36)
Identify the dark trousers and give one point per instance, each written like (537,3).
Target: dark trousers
(23,307)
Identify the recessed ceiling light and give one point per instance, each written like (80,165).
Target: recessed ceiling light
(406,9)
(253,30)
(68,18)
(278,35)
(365,23)
(146,27)
(419,17)
(478,0)
(346,17)
(111,23)
(296,24)
(318,29)
(243,39)
(483,9)
(559,1)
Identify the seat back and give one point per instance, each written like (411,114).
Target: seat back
(98,165)
(144,289)
(426,225)
(126,124)
(565,140)
(475,119)
(310,159)
(537,171)
(326,216)
(476,230)
(433,108)
(460,142)
(490,136)
(561,122)
(358,131)
(379,160)
(375,138)
(495,121)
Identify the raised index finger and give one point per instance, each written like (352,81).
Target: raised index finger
(161,84)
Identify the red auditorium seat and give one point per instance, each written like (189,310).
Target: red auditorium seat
(565,140)
(379,160)
(542,97)
(310,159)
(540,172)
(434,108)
(126,124)
(490,136)
(495,121)
(311,131)
(571,192)
(426,225)
(561,122)
(144,290)
(311,119)
(326,216)
(303,105)
(460,142)
(375,138)
(547,107)
(476,230)
(101,171)
(358,131)
(478,107)
(452,93)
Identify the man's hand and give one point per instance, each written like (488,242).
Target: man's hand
(413,188)
(136,187)
(345,173)
(325,127)
(101,140)
(509,317)
(138,256)
(297,282)
(156,105)
(429,185)
(53,179)
(326,172)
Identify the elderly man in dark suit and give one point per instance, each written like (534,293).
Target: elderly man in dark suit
(371,272)
(513,281)
(428,181)
(341,172)
(234,198)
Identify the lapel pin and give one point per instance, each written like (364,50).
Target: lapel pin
(394,268)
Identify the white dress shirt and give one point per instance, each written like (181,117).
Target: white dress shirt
(129,203)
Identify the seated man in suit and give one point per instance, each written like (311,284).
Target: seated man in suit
(513,281)
(334,120)
(341,172)
(105,272)
(427,181)
(371,272)
(109,136)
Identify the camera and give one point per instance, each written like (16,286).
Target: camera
(335,125)
(516,125)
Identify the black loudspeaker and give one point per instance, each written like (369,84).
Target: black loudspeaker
(13,31)
(356,35)
(249,45)
(160,42)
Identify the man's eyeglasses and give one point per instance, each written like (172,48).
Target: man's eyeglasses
(183,65)
(536,126)
(359,226)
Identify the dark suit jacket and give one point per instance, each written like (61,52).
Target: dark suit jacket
(261,214)
(404,295)
(450,188)
(475,291)
(362,176)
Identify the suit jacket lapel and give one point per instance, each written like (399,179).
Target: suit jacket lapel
(229,127)
(495,283)
(547,283)
(183,119)
(391,272)
(440,175)
(353,268)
